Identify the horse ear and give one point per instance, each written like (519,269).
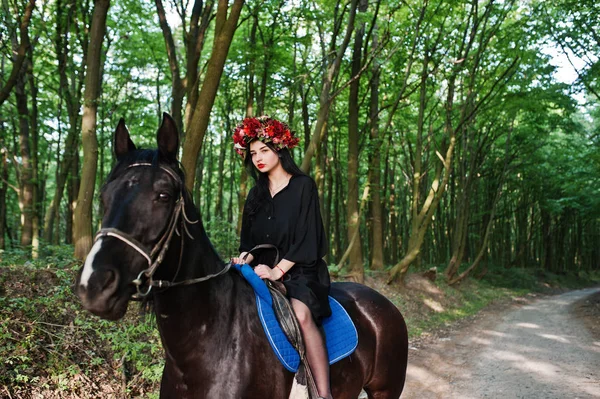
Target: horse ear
(168,138)
(123,143)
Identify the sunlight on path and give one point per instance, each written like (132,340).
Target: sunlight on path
(539,351)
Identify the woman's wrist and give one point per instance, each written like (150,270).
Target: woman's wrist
(281,271)
(247,257)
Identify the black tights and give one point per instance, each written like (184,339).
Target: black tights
(316,352)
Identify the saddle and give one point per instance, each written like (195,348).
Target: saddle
(283,333)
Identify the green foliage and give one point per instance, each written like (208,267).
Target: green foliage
(223,237)
(513,278)
(572,27)
(48,341)
(460,302)
(546,229)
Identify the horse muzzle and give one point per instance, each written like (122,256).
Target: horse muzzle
(100,294)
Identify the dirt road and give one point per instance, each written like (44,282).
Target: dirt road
(535,349)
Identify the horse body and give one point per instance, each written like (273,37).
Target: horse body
(222,343)
(213,339)
(211,344)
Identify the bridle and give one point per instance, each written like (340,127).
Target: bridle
(156,255)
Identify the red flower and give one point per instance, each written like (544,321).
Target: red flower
(265,129)
(251,127)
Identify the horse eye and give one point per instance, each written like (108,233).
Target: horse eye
(164,197)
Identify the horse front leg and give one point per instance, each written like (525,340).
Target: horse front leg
(173,385)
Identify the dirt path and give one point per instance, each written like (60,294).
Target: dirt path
(533,349)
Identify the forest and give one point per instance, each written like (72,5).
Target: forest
(456,136)
(438,132)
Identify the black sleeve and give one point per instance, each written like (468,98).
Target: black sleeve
(308,243)
(246,241)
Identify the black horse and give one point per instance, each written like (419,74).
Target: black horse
(213,340)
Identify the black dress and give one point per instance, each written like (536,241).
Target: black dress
(291,221)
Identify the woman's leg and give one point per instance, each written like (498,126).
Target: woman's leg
(315,348)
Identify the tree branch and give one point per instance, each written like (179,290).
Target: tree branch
(21,53)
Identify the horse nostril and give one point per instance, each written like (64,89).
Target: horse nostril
(110,281)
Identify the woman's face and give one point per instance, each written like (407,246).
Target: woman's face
(263,158)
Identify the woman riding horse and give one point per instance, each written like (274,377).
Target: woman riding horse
(282,209)
(152,243)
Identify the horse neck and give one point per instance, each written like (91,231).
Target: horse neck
(191,254)
(189,314)
(199,256)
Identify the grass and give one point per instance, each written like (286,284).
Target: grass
(472,295)
(461,302)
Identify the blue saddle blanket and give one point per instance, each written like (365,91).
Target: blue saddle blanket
(340,333)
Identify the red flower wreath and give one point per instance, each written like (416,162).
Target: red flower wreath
(265,129)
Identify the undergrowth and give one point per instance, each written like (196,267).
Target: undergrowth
(50,347)
(429,311)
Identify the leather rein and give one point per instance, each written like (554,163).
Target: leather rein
(156,255)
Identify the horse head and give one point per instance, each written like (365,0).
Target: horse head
(142,201)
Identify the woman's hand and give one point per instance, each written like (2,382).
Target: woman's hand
(265,271)
(240,259)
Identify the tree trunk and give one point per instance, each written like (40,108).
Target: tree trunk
(52,212)
(232,167)
(224,29)
(305,115)
(354,240)
(461,224)
(20,52)
(3,190)
(386,205)
(417,232)
(72,98)
(421,219)
(249,113)
(206,214)
(293,87)
(493,206)
(337,219)
(199,22)
(177,86)
(26,184)
(356,267)
(83,211)
(221,170)
(374,173)
(320,170)
(324,98)
(546,240)
(199,181)
(35,172)
(327,206)
(73,183)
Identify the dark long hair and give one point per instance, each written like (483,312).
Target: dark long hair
(261,192)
